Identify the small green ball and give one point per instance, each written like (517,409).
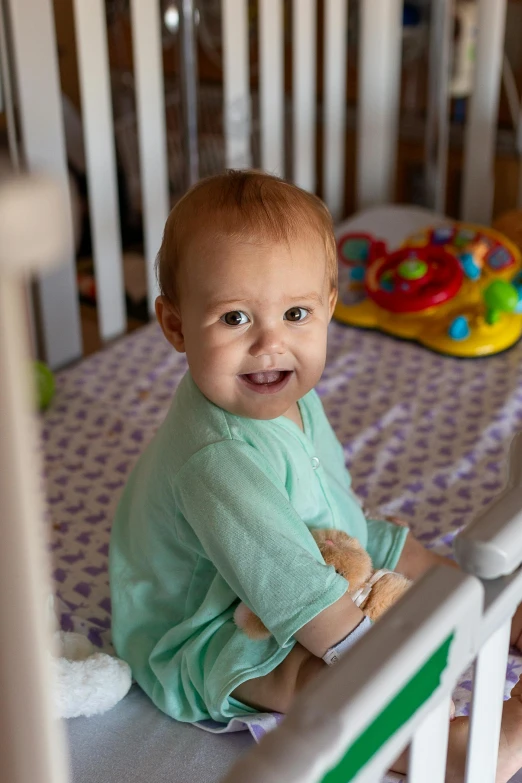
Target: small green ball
(502,296)
(45,385)
(412,269)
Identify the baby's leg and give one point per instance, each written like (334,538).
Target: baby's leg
(276,691)
(415,560)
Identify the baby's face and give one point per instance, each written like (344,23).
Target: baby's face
(254,322)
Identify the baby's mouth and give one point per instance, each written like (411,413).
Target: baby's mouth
(266,382)
(271,376)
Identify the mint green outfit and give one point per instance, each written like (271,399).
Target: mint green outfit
(219,509)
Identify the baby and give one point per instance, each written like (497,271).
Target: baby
(220,506)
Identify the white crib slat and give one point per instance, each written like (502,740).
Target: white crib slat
(478,178)
(32,225)
(93,66)
(36,70)
(236,78)
(150,100)
(189,91)
(304,98)
(486,707)
(428,751)
(378,102)
(271,86)
(335,32)
(7,101)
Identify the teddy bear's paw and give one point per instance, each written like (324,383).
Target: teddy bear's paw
(345,554)
(90,686)
(250,623)
(333,538)
(385,593)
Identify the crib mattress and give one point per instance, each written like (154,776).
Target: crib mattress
(425,438)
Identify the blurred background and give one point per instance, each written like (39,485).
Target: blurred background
(410,174)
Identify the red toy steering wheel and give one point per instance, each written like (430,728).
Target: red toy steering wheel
(414,279)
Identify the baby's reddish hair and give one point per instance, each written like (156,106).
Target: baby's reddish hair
(242,205)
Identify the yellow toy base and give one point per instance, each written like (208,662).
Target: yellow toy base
(432,332)
(430,327)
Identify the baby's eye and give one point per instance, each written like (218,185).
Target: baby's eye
(234,318)
(296,314)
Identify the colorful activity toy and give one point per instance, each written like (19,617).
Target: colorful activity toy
(455,288)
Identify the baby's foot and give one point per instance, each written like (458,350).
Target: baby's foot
(510,746)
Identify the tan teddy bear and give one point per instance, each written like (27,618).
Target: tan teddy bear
(373,591)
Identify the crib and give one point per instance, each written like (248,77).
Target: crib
(344,727)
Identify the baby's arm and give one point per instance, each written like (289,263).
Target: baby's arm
(330,626)
(240,512)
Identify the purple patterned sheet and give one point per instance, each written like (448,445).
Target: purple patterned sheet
(425,437)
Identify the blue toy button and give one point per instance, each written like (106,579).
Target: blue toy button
(442,235)
(386,282)
(355,249)
(469,266)
(459,328)
(357,273)
(499,258)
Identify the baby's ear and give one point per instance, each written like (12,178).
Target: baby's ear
(332,300)
(169,319)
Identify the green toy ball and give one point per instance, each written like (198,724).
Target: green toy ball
(499,297)
(412,269)
(45,385)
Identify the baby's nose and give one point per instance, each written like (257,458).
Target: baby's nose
(268,342)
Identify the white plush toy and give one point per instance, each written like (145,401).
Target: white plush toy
(86,682)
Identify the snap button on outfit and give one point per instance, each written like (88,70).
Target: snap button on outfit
(315,462)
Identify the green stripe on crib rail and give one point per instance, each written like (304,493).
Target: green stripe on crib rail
(393,717)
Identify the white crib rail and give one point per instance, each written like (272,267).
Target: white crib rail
(479,151)
(486,709)
(491,548)
(394,685)
(377,114)
(93,68)
(502,596)
(304,73)
(36,71)
(334,114)
(32,746)
(236,84)
(429,746)
(271,86)
(150,99)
